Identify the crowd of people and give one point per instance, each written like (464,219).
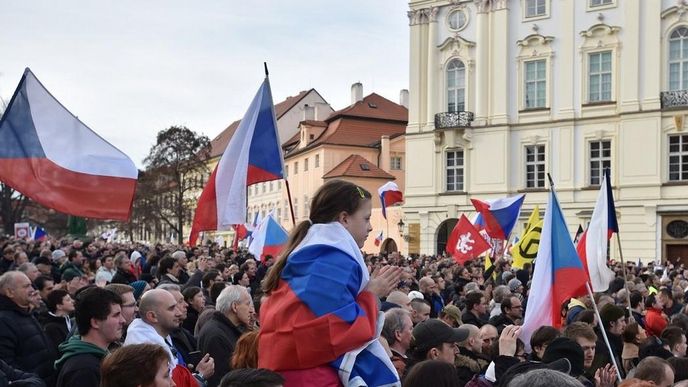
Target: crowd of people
(76,313)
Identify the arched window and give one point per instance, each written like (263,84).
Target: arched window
(456,86)
(678,59)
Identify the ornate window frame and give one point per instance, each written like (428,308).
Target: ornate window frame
(599,38)
(533,140)
(456,47)
(531,48)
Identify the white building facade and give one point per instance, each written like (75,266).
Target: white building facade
(503,92)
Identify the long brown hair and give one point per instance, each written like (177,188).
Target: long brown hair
(132,365)
(333,198)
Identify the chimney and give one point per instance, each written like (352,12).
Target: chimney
(308,112)
(404,98)
(322,111)
(356,92)
(385,154)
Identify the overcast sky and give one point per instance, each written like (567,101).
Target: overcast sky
(128,69)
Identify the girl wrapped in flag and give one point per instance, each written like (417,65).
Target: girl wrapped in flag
(320,323)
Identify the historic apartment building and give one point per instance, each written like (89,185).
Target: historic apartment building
(503,92)
(362,143)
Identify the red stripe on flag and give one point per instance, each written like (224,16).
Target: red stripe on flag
(205,217)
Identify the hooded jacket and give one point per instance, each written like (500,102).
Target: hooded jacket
(79,364)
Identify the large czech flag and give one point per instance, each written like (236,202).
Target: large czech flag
(558,276)
(253,155)
(47,154)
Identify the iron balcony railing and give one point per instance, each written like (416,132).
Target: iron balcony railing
(670,99)
(453,120)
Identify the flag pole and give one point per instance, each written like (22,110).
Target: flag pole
(291,206)
(604,331)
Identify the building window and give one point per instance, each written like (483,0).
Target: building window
(678,59)
(286,171)
(279,184)
(279,214)
(457,19)
(456,86)
(296,167)
(395,163)
(600,159)
(296,208)
(455,170)
(536,8)
(598,3)
(305,165)
(270,185)
(263,186)
(317,161)
(306,209)
(536,84)
(535,166)
(678,157)
(600,76)
(286,209)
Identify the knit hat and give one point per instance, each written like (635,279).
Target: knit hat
(57,254)
(565,348)
(70,274)
(514,284)
(413,294)
(139,286)
(610,313)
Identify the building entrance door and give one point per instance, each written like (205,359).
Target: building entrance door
(677,254)
(443,232)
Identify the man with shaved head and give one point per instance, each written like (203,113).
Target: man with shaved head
(23,344)
(470,361)
(431,293)
(399,299)
(160,316)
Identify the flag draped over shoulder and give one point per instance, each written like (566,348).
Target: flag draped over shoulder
(390,194)
(465,242)
(592,246)
(47,154)
(268,238)
(253,155)
(559,273)
(498,216)
(320,315)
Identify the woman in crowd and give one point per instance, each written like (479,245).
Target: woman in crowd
(319,292)
(138,365)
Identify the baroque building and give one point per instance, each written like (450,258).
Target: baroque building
(503,92)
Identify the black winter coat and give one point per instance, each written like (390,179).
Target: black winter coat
(218,337)
(13,377)
(80,370)
(123,277)
(23,344)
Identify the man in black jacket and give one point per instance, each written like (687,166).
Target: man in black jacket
(100,322)
(219,335)
(512,313)
(23,344)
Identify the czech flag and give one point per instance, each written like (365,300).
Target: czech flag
(390,194)
(253,155)
(47,154)
(592,246)
(559,273)
(498,216)
(321,315)
(268,238)
(378,239)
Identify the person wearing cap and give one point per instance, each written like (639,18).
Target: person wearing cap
(451,315)
(613,321)
(512,313)
(435,340)
(469,361)
(72,281)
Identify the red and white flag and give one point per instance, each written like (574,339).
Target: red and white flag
(390,194)
(378,239)
(465,242)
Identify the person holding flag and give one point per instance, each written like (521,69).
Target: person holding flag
(320,322)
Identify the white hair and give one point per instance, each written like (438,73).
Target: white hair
(229,295)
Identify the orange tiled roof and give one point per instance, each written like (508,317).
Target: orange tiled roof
(358,125)
(357,166)
(219,143)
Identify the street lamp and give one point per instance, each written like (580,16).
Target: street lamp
(400,225)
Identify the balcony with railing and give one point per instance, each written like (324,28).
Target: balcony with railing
(674,99)
(449,120)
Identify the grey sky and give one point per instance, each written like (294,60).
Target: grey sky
(131,68)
